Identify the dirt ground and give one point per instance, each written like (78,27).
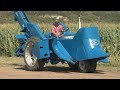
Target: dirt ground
(13,68)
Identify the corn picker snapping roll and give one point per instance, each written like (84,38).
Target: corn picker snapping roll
(81,50)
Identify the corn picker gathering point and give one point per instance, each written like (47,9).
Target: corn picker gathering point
(81,50)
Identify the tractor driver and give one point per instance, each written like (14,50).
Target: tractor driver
(57,29)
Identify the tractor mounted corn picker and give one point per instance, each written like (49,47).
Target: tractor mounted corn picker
(80,50)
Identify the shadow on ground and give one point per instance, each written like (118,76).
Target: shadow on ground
(57,69)
(17,65)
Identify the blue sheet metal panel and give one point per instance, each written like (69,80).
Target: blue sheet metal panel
(64,52)
(21,38)
(93,49)
(80,53)
(85,45)
(35,31)
(89,32)
(91,42)
(69,34)
(21,18)
(70,46)
(41,49)
(104,60)
(61,52)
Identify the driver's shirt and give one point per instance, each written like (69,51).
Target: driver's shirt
(57,30)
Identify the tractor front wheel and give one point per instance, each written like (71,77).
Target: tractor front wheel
(87,66)
(32,63)
(93,65)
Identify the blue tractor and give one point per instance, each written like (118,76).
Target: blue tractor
(80,50)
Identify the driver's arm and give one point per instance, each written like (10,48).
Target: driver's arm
(53,30)
(62,30)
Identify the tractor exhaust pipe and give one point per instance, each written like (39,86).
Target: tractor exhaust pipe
(79,23)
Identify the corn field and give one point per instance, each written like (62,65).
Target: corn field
(110,33)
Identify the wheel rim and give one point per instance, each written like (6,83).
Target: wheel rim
(29,56)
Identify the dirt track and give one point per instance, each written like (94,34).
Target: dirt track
(15,70)
(19,73)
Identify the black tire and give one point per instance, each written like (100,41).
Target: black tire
(84,66)
(87,66)
(31,61)
(73,67)
(93,65)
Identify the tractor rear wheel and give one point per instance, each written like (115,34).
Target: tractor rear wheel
(31,61)
(87,66)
